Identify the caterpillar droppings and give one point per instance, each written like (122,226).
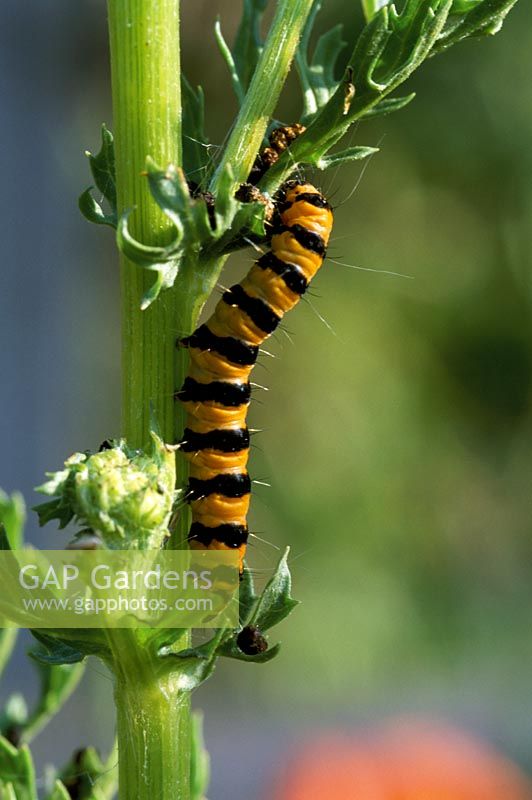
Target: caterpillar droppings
(217,390)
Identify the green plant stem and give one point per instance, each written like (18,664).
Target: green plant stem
(153,725)
(264,90)
(153,715)
(145,67)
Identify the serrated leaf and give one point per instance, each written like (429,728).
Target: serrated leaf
(199,760)
(54,509)
(275,602)
(248,41)
(345,156)
(16,768)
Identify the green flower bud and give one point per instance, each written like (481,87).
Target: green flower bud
(125,496)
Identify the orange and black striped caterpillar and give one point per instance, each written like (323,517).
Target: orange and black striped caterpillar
(216,392)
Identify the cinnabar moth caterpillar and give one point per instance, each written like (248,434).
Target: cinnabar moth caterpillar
(216,391)
(280,139)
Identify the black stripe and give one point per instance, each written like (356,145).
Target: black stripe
(228,484)
(290,273)
(229,534)
(227,440)
(257,310)
(307,239)
(232,349)
(223,392)
(314,198)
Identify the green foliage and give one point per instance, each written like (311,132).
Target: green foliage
(263,611)
(102,167)
(395,42)
(248,42)
(471,18)
(199,760)
(195,141)
(17,773)
(124,495)
(87,777)
(317,74)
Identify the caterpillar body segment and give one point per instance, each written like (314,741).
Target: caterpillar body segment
(217,390)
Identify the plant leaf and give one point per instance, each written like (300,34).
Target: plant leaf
(227,56)
(389,104)
(16,767)
(13,517)
(55,651)
(57,682)
(102,167)
(248,41)
(195,140)
(246,597)
(344,156)
(473,18)
(59,792)
(199,760)
(275,602)
(317,74)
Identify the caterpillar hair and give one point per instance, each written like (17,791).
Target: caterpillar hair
(217,390)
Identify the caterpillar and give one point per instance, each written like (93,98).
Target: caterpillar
(216,392)
(279,140)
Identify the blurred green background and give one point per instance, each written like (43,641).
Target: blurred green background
(397,447)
